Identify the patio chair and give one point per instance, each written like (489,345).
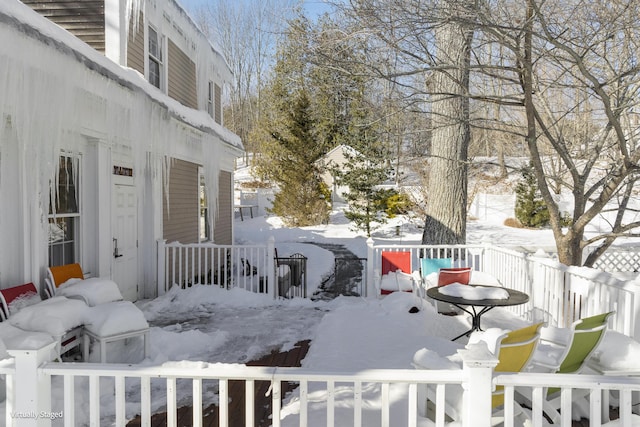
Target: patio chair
(23,308)
(392,262)
(433,265)
(447,276)
(514,351)
(58,275)
(114,321)
(104,319)
(69,281)
(571,357)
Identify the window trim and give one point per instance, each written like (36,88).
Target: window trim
(203,209)
(53,216)
(155,56)
(210,98)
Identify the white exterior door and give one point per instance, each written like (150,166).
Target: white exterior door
(125,240)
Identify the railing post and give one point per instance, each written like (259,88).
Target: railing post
(160,276)
(271,269)
(370,266)
(31,388)
(478,363)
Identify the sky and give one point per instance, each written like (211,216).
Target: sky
(208,324)
(312,8)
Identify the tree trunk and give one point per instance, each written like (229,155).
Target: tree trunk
(446,217)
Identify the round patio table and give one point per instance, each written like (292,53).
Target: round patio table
(477,307)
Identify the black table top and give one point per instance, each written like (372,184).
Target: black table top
(515,298)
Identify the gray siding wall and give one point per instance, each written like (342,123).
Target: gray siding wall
(181,77)
(180,215)
(82,18)
(222,230)
(135,45)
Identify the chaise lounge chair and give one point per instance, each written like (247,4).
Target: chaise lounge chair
(514,351)
(60,317)
(109,318)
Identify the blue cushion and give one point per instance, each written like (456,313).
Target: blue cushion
(433,265)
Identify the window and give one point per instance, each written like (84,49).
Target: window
(64,220)
(210,99)
(218,102)
(204,211)
(155,58)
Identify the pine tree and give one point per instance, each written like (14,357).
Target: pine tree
(288,143)
(530,209)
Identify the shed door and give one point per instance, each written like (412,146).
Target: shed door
(125,240)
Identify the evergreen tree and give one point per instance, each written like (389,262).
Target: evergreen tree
(530,209)
(366,200)
(289,146)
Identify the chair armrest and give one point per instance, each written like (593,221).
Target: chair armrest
(49,288)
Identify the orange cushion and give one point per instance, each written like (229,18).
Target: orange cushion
(62,273)
(447,276)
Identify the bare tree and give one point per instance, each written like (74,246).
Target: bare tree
(247,33)
(430,43)
(577,66)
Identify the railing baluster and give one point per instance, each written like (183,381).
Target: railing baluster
(223,402)
(276,404)
(197,402)
(440,404)
(120,401)
(69,401)
(331,409)
(172,407)
(357,404)
(384,413)
(412,410)
(249,406)
(304,403)
(145,401)
(94,400)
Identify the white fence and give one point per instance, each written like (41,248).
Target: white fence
(249,267)
(44,394)
(558,294)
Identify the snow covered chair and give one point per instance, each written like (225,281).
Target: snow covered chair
(109,318)
(114,321)
(514,350)
(60,317)
(58,275)
(396,272)
(68,280)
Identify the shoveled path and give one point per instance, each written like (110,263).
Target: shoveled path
(262,403)
(347,276)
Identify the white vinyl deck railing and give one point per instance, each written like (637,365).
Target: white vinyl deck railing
(249,267)
(385,397)
(35,387)
(559,294)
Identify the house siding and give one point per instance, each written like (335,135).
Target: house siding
(135,45)
(181,210)
(181,77)
(222,230)
(82,18)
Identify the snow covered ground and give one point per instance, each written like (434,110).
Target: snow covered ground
(206,323)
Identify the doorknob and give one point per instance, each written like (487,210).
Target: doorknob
(116,254)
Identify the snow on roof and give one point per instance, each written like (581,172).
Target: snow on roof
(15,14)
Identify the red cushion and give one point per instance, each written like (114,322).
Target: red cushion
(447,276)
(10,294)
(393,261)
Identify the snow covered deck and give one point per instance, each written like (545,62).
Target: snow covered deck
(358,371)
